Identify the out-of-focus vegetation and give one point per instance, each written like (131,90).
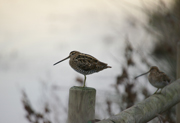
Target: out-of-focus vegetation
(166,25)
(32,115)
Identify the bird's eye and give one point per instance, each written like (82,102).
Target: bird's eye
(72,53)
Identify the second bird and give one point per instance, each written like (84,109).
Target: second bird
(157,78)
(84,64)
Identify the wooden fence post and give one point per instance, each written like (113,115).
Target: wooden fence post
(81,104)
(178,76)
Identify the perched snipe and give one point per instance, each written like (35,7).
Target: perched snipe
(157,78)
(84,63)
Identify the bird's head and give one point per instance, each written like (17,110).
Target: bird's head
(152,69)
(72,53)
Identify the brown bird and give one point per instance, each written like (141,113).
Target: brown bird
(157,78)
(84,64)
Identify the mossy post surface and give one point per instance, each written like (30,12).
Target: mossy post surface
(81,104)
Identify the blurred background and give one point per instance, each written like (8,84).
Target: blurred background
(129,35)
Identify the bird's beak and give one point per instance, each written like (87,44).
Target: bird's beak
(141,75)
(61,60)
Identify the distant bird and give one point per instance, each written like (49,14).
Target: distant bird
(157,78)
(84,63)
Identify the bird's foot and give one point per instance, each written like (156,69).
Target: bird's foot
(156,91)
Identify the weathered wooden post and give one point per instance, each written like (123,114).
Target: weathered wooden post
(178,76)
(81,104)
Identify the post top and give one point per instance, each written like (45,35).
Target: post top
(82,88)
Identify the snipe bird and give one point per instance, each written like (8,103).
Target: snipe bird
(84,63)
(157,78)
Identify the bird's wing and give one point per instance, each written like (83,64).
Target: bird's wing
(86,62)
(164,77)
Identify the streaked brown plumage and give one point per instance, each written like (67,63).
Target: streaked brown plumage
(157,78)
(84,63)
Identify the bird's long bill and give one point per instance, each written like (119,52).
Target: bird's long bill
(141,75)
(61,60)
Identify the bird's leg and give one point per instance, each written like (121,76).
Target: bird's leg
(156,91)
(160,90)
(84,81)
